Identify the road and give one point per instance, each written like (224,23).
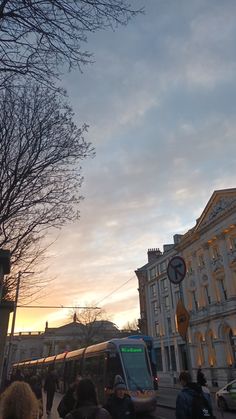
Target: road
(165,407)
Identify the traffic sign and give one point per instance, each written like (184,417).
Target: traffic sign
(176,269)
(182,316)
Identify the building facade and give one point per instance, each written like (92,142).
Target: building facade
(208,292)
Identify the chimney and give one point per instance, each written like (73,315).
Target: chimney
(153,255)
(177,238)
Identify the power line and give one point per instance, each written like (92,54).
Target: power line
(111,293)
(61,306)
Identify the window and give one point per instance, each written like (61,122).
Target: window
(207,295)
(157,329)
(167,302)
(153,290)
(164,285)
(189,267)
(169,327)
(195,303)
(163,266)
(223,291)
(233,243)
(201,261)
(155,308)
(215,252)
(153,273)
(177,296)
(159,359)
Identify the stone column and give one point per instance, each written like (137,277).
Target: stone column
(228,273)
(207,258)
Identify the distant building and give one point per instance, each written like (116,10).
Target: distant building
(209,294)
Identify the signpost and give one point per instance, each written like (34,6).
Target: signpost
(176,269)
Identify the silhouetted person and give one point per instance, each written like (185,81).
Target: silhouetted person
(50,386)
(87,403)
(68,401)
(19,402)
(201,379)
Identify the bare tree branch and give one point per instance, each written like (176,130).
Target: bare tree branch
(37,36)
(40,174)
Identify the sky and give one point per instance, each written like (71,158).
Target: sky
(160,102)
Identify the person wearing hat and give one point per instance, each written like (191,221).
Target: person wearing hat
(119,404)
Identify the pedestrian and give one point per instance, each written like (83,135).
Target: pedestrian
(50,386)
(119,404)
(18,402)
(191,402)
(201,379)
(86,402)
(68,401)
(36,387)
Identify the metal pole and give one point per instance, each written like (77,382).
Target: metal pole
(12,325)
(188,353)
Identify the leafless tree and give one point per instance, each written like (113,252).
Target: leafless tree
(37,37)
(97,326)
(41,149)
(131,326)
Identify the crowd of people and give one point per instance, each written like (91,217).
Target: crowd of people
(24,400)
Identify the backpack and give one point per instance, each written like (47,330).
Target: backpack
(200,407)
(85,413)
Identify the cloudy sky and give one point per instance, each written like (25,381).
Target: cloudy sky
(160,102)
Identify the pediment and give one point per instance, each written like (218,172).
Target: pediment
(220,203)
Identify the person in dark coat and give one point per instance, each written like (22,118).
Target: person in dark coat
(36,387)
(201,379)
(68,401)
(119,404)
(87,403)
(50,386)
(184,401)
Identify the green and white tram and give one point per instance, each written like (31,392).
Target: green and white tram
(102,362)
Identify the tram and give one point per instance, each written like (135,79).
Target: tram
(102,362)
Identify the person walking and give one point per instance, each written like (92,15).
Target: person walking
(68,401)
(201,379)
(18,402)
(86,402)
(119,404)
(191,402)
(50,386)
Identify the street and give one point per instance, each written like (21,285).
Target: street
(165,406)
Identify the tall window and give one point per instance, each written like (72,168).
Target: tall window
(215,252)
(201,261)
(152,273)
(222,289)
(195,303)
(157,329)
(163,266)
(207,295)
(155,308)
(177,296)
(167,302)
(153,290)
(164,285)
(169,327)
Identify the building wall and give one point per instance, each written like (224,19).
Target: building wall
(208,292)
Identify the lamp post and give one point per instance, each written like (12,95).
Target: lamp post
(20,273)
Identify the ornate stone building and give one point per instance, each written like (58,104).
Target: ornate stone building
(208,291)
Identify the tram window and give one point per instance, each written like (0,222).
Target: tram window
(114,368)
(136,367)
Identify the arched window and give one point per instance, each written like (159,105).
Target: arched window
(229,343)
